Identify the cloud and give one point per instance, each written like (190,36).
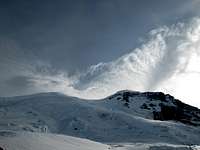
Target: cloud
(168,61)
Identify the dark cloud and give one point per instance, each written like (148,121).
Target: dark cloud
(21,82)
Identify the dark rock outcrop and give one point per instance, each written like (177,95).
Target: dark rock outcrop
(163,106)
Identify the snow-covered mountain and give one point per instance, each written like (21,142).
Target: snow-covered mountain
(126,116)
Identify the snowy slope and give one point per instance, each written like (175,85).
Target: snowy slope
(10,140)
(126,116)
(36,141)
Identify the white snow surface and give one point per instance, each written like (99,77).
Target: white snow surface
(10,140)
(39,141)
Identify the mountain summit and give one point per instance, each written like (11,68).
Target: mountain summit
(160,106)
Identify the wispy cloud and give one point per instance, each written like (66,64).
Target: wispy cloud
(165,62)
(168,53)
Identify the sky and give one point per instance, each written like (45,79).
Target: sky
(93,48)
